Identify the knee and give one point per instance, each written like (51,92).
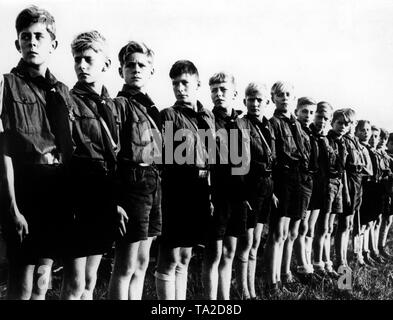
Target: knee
(91,279)
(185,258)
(74,286)
(229,252)
(143,262)
(292,235)
(253,253)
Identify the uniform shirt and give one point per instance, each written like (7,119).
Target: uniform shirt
(92,141)
(354,163)
(30,131)
(197,149)
(292,144)
(369,164)
(314,150)
(326,154)
(338,155)
(140,132)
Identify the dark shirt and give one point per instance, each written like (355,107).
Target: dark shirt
(338,154)
(92,143)
(292,144)
(196,150)
(354,163)
(28,130)
(314,150)
(140,133)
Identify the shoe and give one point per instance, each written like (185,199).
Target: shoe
(309,279)
(320,273)
(377,258)
(289,282)
(368,260)
(273,291)
(333,274)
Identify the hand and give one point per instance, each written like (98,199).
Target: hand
(211,208)
(275,200)
(123,219)
(21,225)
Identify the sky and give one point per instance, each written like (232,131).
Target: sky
(340,51)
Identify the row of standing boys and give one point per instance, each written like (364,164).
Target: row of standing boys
(82,172)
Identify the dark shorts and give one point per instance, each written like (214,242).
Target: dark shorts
(318,192)
(306,188)
(185,208)
(41,196)
(287,188)
(372,202)
(334,197)
(95,223)
(355,194)
(140,196)
(260,194)
(229,219)
(387,206)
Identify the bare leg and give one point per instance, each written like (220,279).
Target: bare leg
(42,274)
(242,260)
(182,272)
(165,275)
(92,264)
(252,262)
(212,256)
(20,282)
(73,279)
(225,267)
(288,246)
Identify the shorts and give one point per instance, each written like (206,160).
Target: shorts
(306,188)
(95,222)
(287,188)
(229,219)
(372,202)
(334,197)
(387,205)
(139,194)
(318,193)
(41,196)
(355,194)
(260,194)
(185,207)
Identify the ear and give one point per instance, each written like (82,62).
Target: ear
(244,102)
(55,43)
(17,45)
(295,112)
(234,94)
(108,63)
(199,83)
(152,70)
(121,72)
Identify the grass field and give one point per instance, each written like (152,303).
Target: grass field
(374,284)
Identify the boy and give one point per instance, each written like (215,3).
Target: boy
(95,133)
(186,206)
(332,204)
(291,156)
(258,184)
(323,115)
(387,213)
(35,145)
(140,187)
(228,197)
(352,190)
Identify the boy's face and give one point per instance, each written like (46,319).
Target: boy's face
(256,104)
(284,99)
(364,133)
(382,143)
(340,126)
(137,70)
(305,114)
(35,44)
(374,138)
(389,146)
(321,120)
(185,87)
(223,94)
(90,65)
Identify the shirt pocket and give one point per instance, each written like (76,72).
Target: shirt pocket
(141,133)
(88,126)
(28,113)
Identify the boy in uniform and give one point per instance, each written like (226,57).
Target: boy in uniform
(36,145)
(333,203)
(186,206)
(139,187)
(258,184)
(95,133)
(228,197)
(290,142)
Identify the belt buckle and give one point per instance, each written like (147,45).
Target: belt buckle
(203,173)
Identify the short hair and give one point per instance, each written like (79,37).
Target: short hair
(375,128)
(350,114)
(361,124)
(90,40)
(305,101)
(280,86)
(323,106)
(34,14)
(384,134)
(390,137)
(256,87)
(340,113)
(221,77)
(183,66)
(135,47)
